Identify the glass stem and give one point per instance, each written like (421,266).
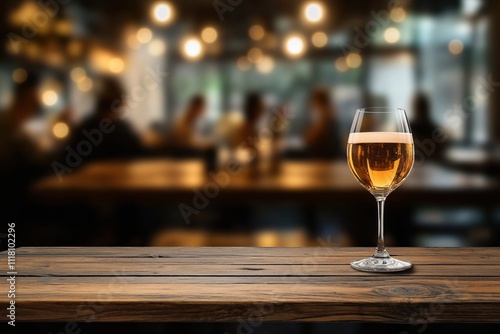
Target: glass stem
(380,252)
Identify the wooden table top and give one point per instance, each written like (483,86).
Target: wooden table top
(174,180)
(269,284)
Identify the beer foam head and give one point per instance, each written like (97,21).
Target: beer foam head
(380,137)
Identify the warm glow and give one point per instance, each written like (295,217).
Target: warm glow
(78,74)
(341,64)
(85,85)
(192,48)
(100,59)
(157,47)
(267,239)
(353,60)
(162,12)
(266,65)
(209,35)
(60,130)
(132,42)
(243,64)
(116,65)
(19,75)
(398,14)
(456,47)
(255,55)
(144,35)
(49,98)
(313,12)
(391,35)
(256,32)
(75,48)
(319,39)
(63,27)
(294,46)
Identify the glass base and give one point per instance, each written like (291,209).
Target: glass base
(380,264)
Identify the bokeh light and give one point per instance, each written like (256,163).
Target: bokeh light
(294,45)
(85,85)
(266,65)
(392,35)
(313,12)
(60,130)
(116,65)
(255,55)
(398,14)
(256,32)
(162,12)
(49,98)
(78,74)
(319,39)
(144,35)
(209,35)
(456,46)
(19,75)
(353,60)
(192,48)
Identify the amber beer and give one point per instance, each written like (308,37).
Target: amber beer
(380,160)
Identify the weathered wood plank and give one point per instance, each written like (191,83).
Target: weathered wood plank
(153,267)
(227,299)
(28,262)
(251,251)
(230,284)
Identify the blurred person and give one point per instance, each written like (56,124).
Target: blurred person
(21,158)
(104,133)
(184,137)
(254,108)
(322,138)
(422,127)
(245,141)
(19,154)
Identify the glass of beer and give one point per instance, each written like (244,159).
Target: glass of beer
(380,154)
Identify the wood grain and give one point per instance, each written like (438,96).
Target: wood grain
(237,284)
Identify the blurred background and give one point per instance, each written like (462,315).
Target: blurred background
(114,116)
(224,123)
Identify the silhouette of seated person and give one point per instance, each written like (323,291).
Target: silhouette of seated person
(110,136)
(322,138)
(184,139)
(422,128)
(21,159)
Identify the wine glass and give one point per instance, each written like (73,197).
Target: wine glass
(380,154)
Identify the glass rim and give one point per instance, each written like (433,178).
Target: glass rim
(380,110)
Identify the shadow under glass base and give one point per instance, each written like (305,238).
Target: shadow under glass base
(380,264)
